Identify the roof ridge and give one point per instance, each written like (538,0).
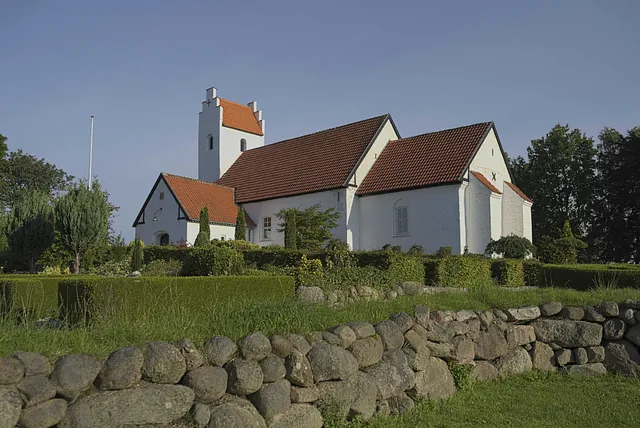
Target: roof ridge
(318,132)
(445,130)
(233,102)
(196,180)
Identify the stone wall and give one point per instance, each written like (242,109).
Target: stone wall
(358,369)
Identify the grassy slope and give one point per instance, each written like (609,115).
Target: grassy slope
(166,321)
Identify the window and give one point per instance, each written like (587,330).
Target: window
(249,235)
(401,221)
(266,229)
(222,238)
(243,144)
(161,196)
(210,139)
(491,152)
(164,239)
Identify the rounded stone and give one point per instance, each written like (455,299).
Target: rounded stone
(254,346)
(608,309)
(367,352)
(572,313)
(298,415)
(73,374)
(329,362)
(280,346)
(273,369)
(163,363)
(613,329)
(298,369)
(10,407)
(628,316)
(200,414)
(516,361)
(43,415)
(36,389)
(245,377)
(403,320)
(580,356)
(300,343)
(193,357)
(550,309)
(219,350)
(412,288)
(34,363)
(209,383)
(362,329)
(11,371)
(346,335)
(272,399)
(391,335)
(122,369)
(591,314)
(435,382)
(235,414)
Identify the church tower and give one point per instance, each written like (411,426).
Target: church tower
(225,130)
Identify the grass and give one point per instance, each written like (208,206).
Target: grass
(236,318)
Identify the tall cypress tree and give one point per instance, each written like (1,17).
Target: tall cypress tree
(290,231)
(204,234)
(241,225)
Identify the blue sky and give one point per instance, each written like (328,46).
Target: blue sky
(142,67)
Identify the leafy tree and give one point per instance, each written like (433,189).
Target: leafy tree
(290,231)
(30,228)
(511,247)
(204,234)
(82,218)
(313,226)
(4,245)
(563,250)
(241,225)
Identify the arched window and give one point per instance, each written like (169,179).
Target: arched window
(400,218)
(243,144)
(210,139)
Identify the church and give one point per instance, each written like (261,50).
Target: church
(449,188)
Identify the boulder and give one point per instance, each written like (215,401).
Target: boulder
(254,346)
(591,314)
(412,288)
(608,309)
(463,350)
(122,369)
(571,334)
(466,315)
(436,382)
(299,342)
(298,369)
(515,361)
(345,334)
(368,293)
(527,313)
(484,370)
(364,405)
(316,337)
(280,346)
(219,350)
(595,354)
(310,295)
(10,407)
(418,360)
(580,356)
(613,329)
(43,415)
(298,415)
(11,370)
(550,309)
(490,344)
(563,357)
(403,320)
(400,404)
(390,334)
(73,374)
(389,381)
(34,363)
(272,399)
(542,357)
(273,369)
(518,335)
(304,395)
(422,315)
(414,340)
(572,313)
(339,395)
(398,359)
(630,303)
(438,332)
(200,414)
(36,389)
(622,357)
(367,352)
(628,316)
(208,382)
(593,369)
(163,363)
(236,414)
(633,335)
(361,329)
(486,319)
(331,339)
(329,362)
(193,357)
(245,377)
(442,350)
(500,315)
(154,404)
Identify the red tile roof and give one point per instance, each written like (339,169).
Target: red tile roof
(311,163)
(425,160)
(193,195)
(238,116)
(518,191)
(486,182)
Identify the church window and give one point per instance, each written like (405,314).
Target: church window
(161,196)
(401,220)
(243,144)
(210,139)
(491,152)
(266,229)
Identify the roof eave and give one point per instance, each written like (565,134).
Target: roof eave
(405,189)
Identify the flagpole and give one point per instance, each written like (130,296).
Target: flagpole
(90,153)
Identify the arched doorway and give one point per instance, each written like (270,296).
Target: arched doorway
(163,239)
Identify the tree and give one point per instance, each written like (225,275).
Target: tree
(313,227)
(241,225)
(137,254)
(82,218)
(30,228)
(510,247)
(290,231)
(204,234)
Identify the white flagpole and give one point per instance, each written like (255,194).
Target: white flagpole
(90,153)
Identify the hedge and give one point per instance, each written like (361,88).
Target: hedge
(585,277)
(399,266)
(531,269)
(457,271)
(28,297)
(99,299)
(199,261)
(508,272)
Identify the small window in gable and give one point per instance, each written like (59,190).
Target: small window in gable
(266,228)
(492,152)
(162,196)
(210,140)
(401,220)
(243,144)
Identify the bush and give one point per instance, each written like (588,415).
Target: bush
(212,260)
(531,269)
(86,300)
(162,268)
(111,268)
(28,298)
(444,252)
(508,272)
(166,253)
(275,256)
(307,270)
(510,247)
(457,271)
(585,277)
(346,277)
(400,267)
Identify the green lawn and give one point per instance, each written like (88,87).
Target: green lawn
(235,318)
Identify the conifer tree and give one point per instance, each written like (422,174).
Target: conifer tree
(290,231)
(204,235)
(241,225)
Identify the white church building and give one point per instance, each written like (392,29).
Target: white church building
(449,188)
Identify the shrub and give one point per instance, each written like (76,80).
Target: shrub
(110,268)
(241,226)
(204,231)
(531,270)
(339,254)
(136,248)
(162,268)
(276,256)
(457,271)
(400,267)
(461,375)
(307,270)
(508,272)
(85,300)
(166,252)
(28,297)
(346,277)
(444,252)
(212,260)
(416,250)
(585,277)
(55,271)
(510,247)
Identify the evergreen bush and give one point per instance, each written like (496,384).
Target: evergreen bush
(510,247)
(241,226)
(457,271)
(508,272)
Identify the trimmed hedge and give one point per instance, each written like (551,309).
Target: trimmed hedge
(585,277)
(199,261)
(457,271)
(99,299)
(28,297)
(531,269)
(508,272)
(399,266)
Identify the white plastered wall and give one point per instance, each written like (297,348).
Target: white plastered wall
(216,231)
(166,214)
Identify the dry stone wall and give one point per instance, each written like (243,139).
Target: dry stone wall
(357,369)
